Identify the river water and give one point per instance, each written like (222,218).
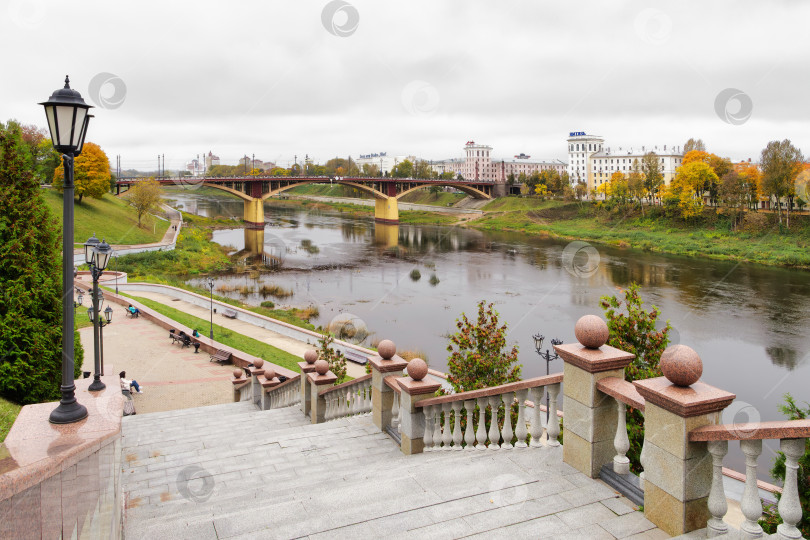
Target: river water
(749,323)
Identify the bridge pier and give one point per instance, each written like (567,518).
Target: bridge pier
(254,213)
(386,210)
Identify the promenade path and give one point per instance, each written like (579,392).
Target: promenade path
(264,335)
(172,377)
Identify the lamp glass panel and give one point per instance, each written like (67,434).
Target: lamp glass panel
(81,113)
(108,314)
(64,118)
(83,134)
(50,113)
(102,256)
(90,314)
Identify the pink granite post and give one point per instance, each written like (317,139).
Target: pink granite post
(385,364)
(416,387)
(307,366)
(677,472)
(318,379)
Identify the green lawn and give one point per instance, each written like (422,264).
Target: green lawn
(424,196)
(8,413)
(225,335)
(108,218)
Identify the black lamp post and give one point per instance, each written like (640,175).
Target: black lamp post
(97,254)
(548,357)
(67,115)
(211,287)
(101,324)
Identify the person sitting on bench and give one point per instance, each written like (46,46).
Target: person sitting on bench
(126,384)
(133,311)
(195,333)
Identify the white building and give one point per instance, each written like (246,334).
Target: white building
(211,160)
(590,161)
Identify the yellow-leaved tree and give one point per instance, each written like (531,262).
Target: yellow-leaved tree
(688,187)
(144,196)
(91,173)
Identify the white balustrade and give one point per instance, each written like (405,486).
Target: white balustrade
(718,506)
(428,437)
(457,436)
(350,400)
(469,433)
(790,508)
(520,430)
(751,505)
(553,428)
(537,424)
(395,413)
(494,434)
(621,463)
(437,426)
(508,399)
(481,432)
(447,436)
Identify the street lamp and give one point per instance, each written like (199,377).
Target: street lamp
(211,288)
(67,117)
(99,255)
(548,357)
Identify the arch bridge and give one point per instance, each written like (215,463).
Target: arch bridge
(254,190)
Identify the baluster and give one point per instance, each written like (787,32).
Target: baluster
(751,505)
(537,416)
(553,428)
(508,398)
(437,427)
(395,413)
(520,428)
(428,437)
(790,508)
(481,432)
(368,396)
(469,433)
(357,400)
(621,463)
(717,496)
(330,407)
(447,436)
(353,397)
(494,433)
(457,435)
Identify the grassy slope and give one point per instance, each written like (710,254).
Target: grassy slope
(8,413)
(657,234)
(225,335)
(109,218)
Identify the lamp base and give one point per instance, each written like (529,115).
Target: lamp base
(96,385)
(67,413)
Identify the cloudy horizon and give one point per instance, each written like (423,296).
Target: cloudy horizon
(327,79)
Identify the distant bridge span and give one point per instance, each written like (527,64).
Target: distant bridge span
(254,190)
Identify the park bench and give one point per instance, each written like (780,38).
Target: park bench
(129,403)
(230,313)
(133,315)
(356,356)
(221,357)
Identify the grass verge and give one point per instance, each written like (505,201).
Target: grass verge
(8,413)
(224,335)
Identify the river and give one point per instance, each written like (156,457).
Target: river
(749,323)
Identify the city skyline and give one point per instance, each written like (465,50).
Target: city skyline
(329,79)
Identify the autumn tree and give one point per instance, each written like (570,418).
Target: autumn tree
(91,173)
(478,354)
(653,176)
(694,144)
(752,179)
(734,194)
(635,183)
(580,190)
(781,163)
(719,165)
(371,169)
(403,169)
(688,186)
(422,169)
(144,197)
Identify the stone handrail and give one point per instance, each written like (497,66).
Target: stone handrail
(282,394)
(391,383)
(625,393)
(241,387)
(443,417)
(348,399)
(792,435)
(621,390)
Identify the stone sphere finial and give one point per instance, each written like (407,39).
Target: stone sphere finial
(258,363)
(310,356)
(681,365)
(269,373)
(237,373)
(321,367)
(417,369)
(386,349)
(591,331)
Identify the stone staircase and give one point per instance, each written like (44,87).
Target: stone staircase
(231,471)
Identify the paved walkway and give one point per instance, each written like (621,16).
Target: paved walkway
(231,471)
(264,335)
(171,377)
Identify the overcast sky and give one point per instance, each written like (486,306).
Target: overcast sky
(336,78)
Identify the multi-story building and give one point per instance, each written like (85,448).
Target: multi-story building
(211,160)
(590,161)
(382,160)
(478,164)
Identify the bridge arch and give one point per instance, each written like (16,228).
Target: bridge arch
(367,189)
(469,190)
(243,196)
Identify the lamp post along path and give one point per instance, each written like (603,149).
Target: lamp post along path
(68,117)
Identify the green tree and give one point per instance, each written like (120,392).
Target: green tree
(403,169)
(337,362)
(734,193)
(781,163)
(653,177)
(771,519)
(422,169)
(144,197)
(478,355)
(30,282)
(91,173)
(633,329)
